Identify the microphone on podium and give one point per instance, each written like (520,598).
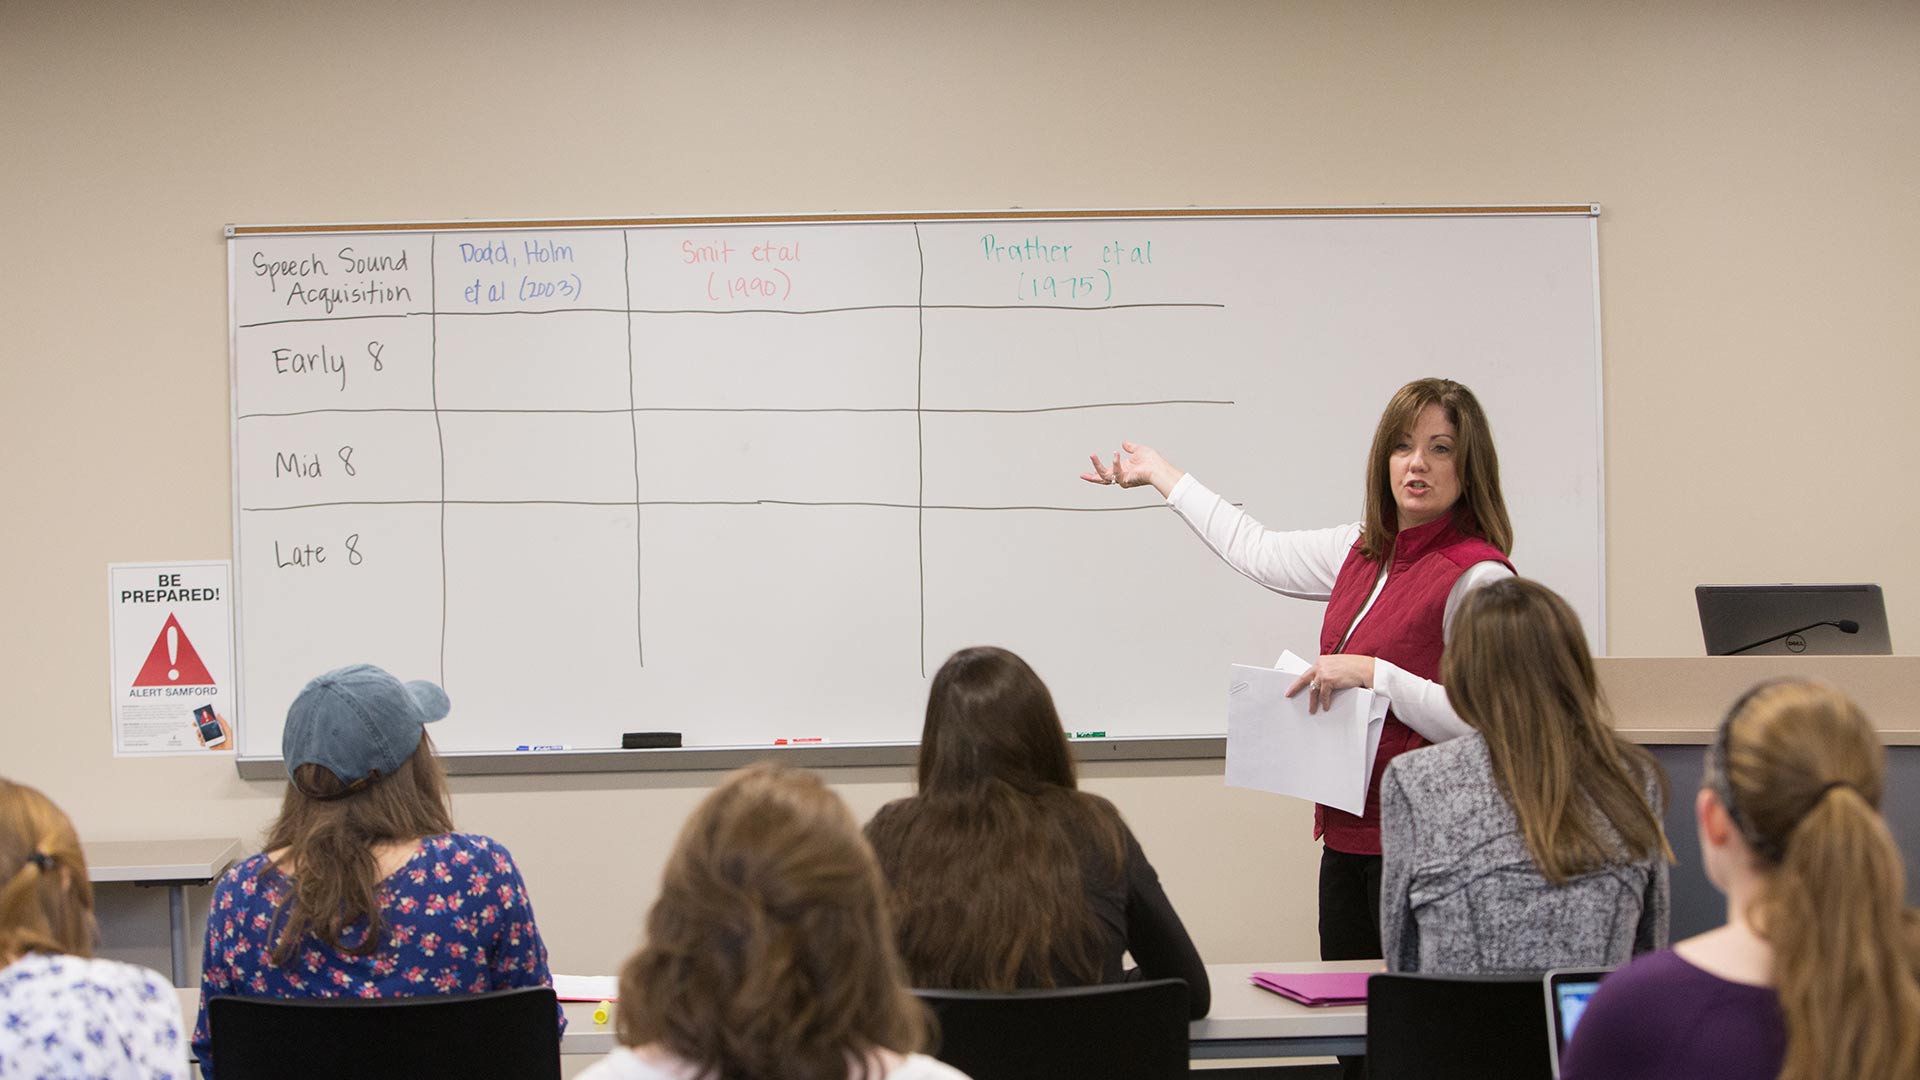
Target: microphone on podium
(1845,626)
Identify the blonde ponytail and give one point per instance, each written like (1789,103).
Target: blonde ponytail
(19,909)
(46,903)
(1801,773)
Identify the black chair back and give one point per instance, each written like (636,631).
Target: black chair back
(507,1033)
(1120,1031)
(1470,1027)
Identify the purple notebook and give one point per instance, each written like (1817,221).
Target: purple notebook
(1317,988)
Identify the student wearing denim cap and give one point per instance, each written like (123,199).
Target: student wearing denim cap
(365,889)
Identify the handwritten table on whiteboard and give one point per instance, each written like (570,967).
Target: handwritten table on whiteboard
(753,481)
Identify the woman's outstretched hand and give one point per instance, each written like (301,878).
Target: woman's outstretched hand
(1134,466)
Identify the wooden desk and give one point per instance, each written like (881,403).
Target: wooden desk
(174,864)
(1244,1023)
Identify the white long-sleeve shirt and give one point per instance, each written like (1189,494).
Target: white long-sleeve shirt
(1304,564)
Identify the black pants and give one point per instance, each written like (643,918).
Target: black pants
(1349,920)
(1349,906)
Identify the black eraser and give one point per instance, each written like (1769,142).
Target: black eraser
(650,740)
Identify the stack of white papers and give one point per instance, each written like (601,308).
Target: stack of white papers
(586,987)
(1274,744)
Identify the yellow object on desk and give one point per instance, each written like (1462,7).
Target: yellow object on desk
(602,1011)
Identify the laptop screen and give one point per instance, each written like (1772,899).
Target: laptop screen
(1786,620)
(1569,1001)
(1568,991)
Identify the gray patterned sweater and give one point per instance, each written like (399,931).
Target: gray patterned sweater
(1460,893)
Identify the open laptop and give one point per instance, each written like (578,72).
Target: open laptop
(1789,620)
(1568,990)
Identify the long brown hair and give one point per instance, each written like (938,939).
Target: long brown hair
(1800,773)
(769,954)
(1481,510)
(46,899)
(989,861)
(1517,669)
(330,830)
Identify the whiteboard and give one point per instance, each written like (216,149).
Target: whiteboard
(754,479)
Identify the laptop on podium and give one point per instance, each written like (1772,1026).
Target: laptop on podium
(1793,620)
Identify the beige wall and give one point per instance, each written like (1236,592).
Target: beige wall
(1757,162)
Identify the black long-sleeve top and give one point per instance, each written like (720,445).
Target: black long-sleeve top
(1139,919)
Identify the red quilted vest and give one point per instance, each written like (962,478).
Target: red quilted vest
(1404,628)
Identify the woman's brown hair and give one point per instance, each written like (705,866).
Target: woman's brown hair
(330,831)
(989,861)
(769,954)
(46,899)
(1481,510)
(1800,773)
(1517,669)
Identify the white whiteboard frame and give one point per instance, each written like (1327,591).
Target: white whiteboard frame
(234,231)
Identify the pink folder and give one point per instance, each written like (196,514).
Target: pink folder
(1317,988)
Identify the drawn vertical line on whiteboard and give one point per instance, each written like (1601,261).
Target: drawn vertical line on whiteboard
(439,434)
(633,429)
(920,436)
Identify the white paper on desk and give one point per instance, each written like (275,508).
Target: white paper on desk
(586,987)
(1274,744)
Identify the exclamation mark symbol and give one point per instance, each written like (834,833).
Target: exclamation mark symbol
(173,652)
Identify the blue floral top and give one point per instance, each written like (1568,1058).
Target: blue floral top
(456,921)
(68,1016)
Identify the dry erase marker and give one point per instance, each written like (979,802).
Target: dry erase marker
(536,747)
(1089,734)
(801,740)
(602,1011)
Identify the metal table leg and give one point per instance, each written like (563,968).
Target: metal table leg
(177,910)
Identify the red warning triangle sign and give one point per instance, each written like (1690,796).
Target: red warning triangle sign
(173,661)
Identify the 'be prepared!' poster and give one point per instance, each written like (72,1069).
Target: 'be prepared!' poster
(172,627)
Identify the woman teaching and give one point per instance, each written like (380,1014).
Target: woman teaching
(1435,528)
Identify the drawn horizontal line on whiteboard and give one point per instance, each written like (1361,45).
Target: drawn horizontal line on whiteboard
(698,502)
(755,409)
(916,307)
(740,311)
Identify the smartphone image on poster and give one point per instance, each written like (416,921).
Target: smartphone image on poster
(209,725)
